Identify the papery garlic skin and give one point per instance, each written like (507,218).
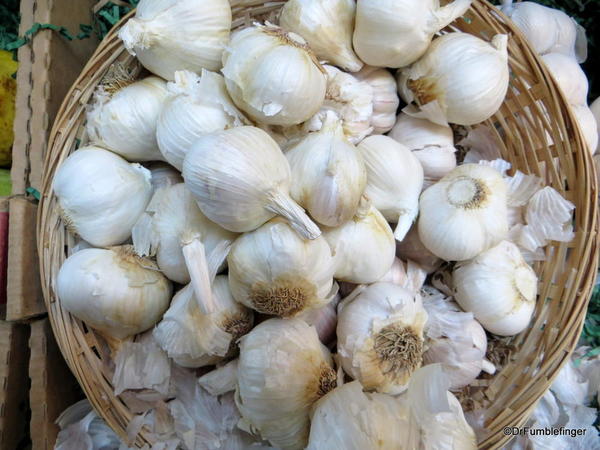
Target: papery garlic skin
(163,175)
(274,271)
(273,76)
(394,181)
(380,337)
(194,339)
(195,105)
(328,175)
(499,288)
(283,369)
(589,126)
(395,33)
(113,291)
(100,195)
(327,26)
(125,121)
(385,97)
(461,79)
(569,76)
(411,248)
(171,35)
(240,180)
(464,213)
(221,380)
(324,320)
(363,248)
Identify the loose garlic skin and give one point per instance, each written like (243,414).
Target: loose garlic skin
(385,97)
(328,175)
(125,121)
(499,288)
(113,290)
(395,33)
(380,337)
(412,248)
(283,370)
(327,26)
(171,35)
(461,79)
(464,213)
(274,271)
(394,181)
(100,195)
(273,76)
(240,179)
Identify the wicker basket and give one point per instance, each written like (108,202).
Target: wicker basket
(534,109)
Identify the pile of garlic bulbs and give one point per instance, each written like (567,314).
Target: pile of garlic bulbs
(287,255)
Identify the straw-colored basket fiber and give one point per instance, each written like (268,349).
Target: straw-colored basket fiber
(533,111)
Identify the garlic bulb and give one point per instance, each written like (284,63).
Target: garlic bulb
(240,180)
(595,108)
(499,288)
(363,248)
(125,121)
(455,340)
(194,339)
(196,105)
(385,97)
(273,271)
(589,126)
(100,195)
(172,222)
(324,320)
(328,174)
(283,369)
(411,248)
(569,76)
(113,291)
(432,144)
(168,35)
(460,79)
(395,33)
(348,99)
(327,26)
(380,337)
(395,179)
(464,213)
(273,75)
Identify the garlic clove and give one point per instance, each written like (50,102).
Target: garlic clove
(394,181)
(273,271)
(113,290)
(100,195)
(327,26)
(464,213)
(167,36)
(245,183)
(499,288)
(385,97)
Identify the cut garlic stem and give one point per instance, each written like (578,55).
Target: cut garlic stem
(488,367)
(284,206)
(195,260)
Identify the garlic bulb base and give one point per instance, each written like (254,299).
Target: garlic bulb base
(281,297)
(284,206)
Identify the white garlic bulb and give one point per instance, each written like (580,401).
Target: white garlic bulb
(432,144)
(411,248)
(385,97)
(569,76)
(380,336)
(327,26)
(464,213)
(113,291)
(589,126)
(347,98)
(125,121)
(100,195)
(240,179)
(274,271)
(273,76)
(395,33)
(394,181)
(195,105)
(283,369)
(499,288)
(595,108)
(460,79)
(167,36)
(323,319)
(194,339)
(363,248)
(328,174)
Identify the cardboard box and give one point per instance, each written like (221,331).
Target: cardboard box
(48,65)
(53,387)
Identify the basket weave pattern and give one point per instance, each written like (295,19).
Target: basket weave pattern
(533,110)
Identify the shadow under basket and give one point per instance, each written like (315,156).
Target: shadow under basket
(534,113)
